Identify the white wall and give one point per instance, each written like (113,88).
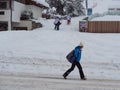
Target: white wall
(18,8)
(37,11)
(6,17)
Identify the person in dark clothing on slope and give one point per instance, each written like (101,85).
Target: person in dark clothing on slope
(57,23)
(77,55)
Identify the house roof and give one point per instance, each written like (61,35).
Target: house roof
(107,18)
(39,3)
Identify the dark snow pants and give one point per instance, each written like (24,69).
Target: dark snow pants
(75,63)
(56,27)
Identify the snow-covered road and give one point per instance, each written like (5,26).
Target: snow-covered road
(35,73)
(37,66)
(11,82)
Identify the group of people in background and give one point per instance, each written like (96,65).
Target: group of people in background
(57,22)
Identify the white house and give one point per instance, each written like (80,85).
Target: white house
(11,10)
(114,9)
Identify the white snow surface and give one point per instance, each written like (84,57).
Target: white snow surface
(43,51)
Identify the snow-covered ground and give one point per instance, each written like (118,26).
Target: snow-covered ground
(42,51)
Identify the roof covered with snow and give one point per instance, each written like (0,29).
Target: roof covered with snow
(107,18)
(114,6)
(42,2)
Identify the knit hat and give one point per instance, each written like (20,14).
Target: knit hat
(81,44)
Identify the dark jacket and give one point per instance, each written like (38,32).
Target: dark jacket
(58,23)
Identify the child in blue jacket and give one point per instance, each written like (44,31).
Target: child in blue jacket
(77,55)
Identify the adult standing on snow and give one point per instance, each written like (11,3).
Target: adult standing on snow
(57,23)
(77,55)
(68,19)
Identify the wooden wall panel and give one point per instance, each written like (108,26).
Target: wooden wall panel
(103,26)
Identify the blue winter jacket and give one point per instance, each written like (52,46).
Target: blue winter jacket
(77,53)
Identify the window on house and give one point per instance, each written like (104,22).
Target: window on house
(3,5)
(2,12)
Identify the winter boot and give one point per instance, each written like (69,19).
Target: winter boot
(65,75)
(84,78)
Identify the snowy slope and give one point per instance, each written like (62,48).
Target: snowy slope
(43,51)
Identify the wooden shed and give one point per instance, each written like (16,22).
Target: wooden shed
(105,24)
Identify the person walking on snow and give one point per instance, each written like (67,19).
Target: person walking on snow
(77,55)
(68,19)
(57,23)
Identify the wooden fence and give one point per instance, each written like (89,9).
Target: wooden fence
(103,26)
